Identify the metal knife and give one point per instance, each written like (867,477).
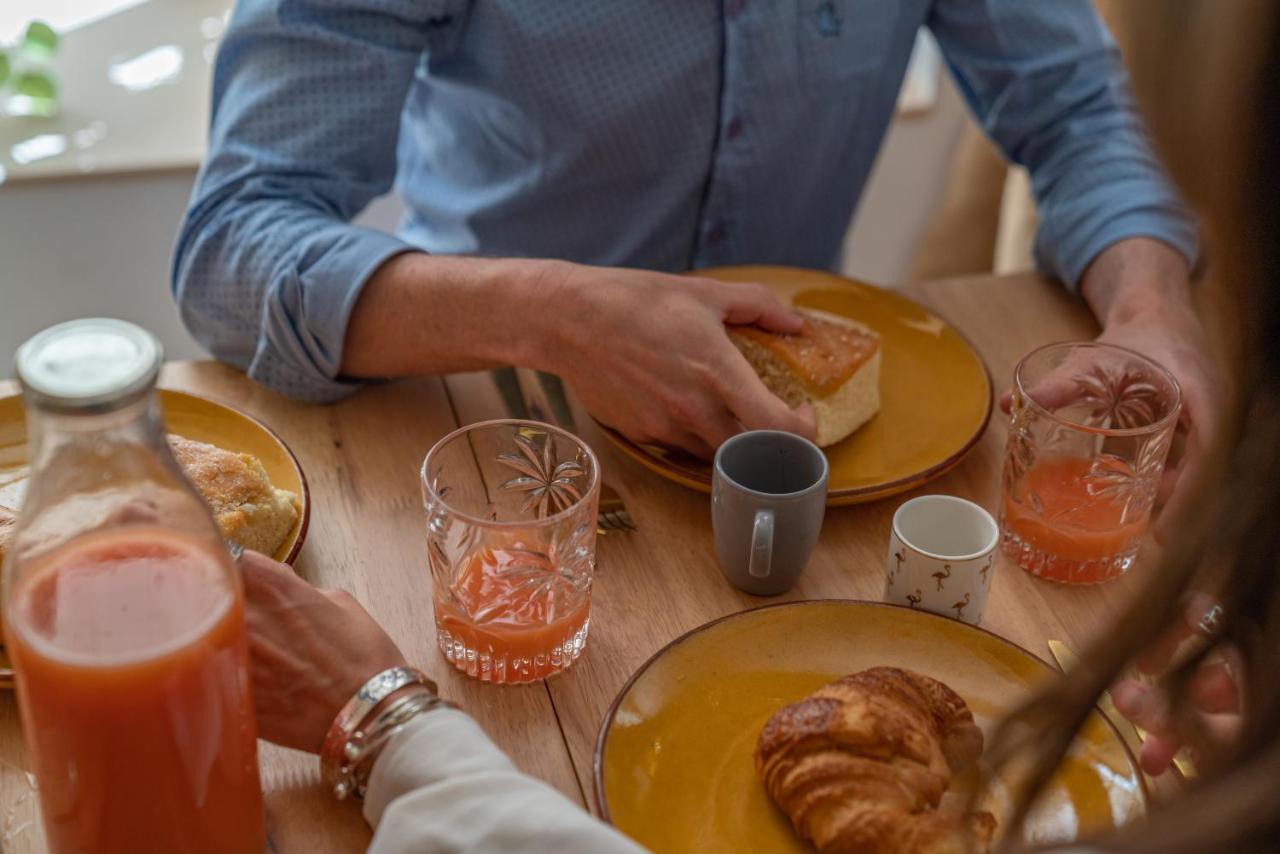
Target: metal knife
(541,396)
(1133,736)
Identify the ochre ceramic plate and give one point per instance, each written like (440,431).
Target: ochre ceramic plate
(935,392)
(189,416)
(186,415)
(674,764)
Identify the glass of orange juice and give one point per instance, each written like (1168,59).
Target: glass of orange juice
(1091,429)
(511,542)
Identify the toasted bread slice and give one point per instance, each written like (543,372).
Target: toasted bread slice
(833,363)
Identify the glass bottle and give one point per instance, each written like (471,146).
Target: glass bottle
(124,615)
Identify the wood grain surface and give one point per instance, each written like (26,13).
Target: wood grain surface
(367,536)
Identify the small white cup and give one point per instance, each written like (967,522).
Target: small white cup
(941,557)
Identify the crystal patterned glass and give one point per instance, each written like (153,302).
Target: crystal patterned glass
(1090,431)
(511,542)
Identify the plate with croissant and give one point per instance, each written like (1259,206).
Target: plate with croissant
(839,726)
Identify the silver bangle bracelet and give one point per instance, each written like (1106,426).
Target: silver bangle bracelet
(337,753)
(364,748)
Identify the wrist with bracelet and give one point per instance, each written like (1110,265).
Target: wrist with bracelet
(380,710)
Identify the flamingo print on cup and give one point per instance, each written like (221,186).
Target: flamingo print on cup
(941,557)
(942,575)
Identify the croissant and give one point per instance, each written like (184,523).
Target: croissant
(861,764)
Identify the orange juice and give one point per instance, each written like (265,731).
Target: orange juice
(510,616)
(1075,536)
(133,681)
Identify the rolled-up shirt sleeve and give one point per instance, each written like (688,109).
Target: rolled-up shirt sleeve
(442,785)
(1047,84)
(307,96)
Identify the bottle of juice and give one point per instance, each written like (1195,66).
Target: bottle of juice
(124,615)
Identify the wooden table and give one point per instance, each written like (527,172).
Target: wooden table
(367,536)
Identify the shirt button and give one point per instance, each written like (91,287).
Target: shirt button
(734,128)
(717,234)
(828,20)
(734,7)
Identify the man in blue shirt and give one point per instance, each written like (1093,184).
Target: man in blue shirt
(559,160)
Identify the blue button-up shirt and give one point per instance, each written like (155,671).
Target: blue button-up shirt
(666,134)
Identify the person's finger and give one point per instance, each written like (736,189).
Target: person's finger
(263,575)
(694,445)
(341,598)
(807,412)
(704,415)
(1157,755)
(1144,705)
(1222,729)
(1157,656)
(1178,484)
(1213,689)
(756,305)
(1006,402)
(1166,489)
(1055,390)
(757,407)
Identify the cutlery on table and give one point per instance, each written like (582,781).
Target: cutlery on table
(541,397)
(1132,735)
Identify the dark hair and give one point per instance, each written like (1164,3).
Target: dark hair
(1216,119)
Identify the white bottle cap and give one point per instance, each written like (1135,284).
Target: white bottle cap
(94,364)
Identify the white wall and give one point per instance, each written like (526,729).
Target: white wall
(79,247)
(75,247)
(905,187)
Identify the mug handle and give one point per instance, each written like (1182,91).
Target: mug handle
(761,545)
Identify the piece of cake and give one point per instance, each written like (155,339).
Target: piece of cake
(249,509)
(832,363)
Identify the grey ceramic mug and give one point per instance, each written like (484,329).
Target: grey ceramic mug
(768,496)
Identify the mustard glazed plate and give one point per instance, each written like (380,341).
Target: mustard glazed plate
(674,761)
(935,391)
(191,417)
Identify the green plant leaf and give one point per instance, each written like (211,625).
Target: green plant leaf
(35,85)
(4,68)
(34,94)
(40,42)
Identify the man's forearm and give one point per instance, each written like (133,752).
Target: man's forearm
(1134,277)
(432,314)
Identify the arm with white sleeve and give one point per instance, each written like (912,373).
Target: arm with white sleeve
(442,785)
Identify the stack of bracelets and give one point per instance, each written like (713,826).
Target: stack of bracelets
(367,722)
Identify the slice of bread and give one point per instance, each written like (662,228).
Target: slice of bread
(833,364)
(7,522)
(248,508)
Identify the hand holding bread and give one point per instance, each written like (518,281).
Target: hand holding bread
(647,354)
(831,363)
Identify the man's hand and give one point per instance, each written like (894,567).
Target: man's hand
(1140,291)
(647,353)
